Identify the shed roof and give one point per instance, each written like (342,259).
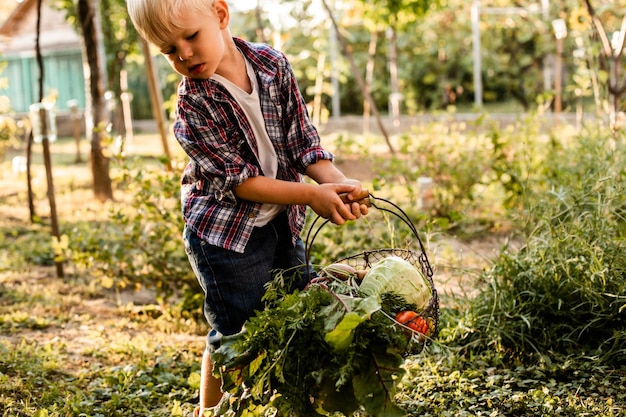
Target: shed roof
(18,32)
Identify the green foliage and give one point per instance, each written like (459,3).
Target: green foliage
(545,335)
(324,349)
(433,37)
(565,290)
(14,311)
(119,37)
(482,172)
(9,131)
(451,384)
(456,169)
(67,350)
(34,382)
(520,155)
(141,243)
(23,246)
(459,158)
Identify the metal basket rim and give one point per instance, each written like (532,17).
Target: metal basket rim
(392,209)
(416,258)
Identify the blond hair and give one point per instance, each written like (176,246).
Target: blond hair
(156,20)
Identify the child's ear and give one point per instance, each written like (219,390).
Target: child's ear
(222,11)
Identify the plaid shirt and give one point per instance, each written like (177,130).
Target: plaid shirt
(213,130)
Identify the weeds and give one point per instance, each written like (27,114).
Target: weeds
(565,291)
(454,385)
(139,245)
(35,382)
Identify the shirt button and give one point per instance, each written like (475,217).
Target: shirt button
(252,215)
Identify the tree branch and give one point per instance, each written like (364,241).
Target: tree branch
(606,43)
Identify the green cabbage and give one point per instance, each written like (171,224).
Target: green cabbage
(395,275)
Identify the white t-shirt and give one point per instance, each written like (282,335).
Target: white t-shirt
(251,106)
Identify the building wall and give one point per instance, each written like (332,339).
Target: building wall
(18,33)
(60,46)
(63,78)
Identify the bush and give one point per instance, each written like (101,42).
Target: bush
(9,132)
(141,243)
(479,168)
(565,290)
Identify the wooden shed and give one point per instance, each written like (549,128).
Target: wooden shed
(61,51)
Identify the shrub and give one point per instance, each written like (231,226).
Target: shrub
(9,132)
(479,168)
(565,290)
(453,156)
(141,243)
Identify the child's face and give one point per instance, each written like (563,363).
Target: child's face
(197,50)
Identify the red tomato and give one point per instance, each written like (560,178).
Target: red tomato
(414,322)
(405,317)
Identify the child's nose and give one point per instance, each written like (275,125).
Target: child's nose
(185,53)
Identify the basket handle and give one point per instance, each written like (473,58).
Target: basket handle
(369,200)
(363,198)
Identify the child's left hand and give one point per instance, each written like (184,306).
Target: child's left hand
(355,199)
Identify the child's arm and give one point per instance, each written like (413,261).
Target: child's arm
(324,199)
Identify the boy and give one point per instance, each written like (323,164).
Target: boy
(242,121)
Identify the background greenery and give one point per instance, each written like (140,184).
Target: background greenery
(433,48)
(538,328)
(535,328)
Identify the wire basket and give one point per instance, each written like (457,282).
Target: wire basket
(363,261)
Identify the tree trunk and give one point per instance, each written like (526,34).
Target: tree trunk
(357,75)
(613,54)
(95,112)
(260,30)
(395,97)
(44,130)
(369,78)
(156,97)
(127,119)
(319,89)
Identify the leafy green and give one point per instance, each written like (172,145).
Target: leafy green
(394,274)
(314,352)
(340,338)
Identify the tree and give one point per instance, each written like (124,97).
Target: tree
(120,40)
(112,45)
(45,142)
(366,93)
(610,59)
(95,113)
(397,14)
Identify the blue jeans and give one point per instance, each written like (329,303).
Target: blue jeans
(234,283)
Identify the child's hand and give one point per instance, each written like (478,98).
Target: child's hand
(354,200)
(360,206)
(329,204)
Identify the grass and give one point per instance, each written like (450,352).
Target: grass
(66,350)
(96,357)
(70,347)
